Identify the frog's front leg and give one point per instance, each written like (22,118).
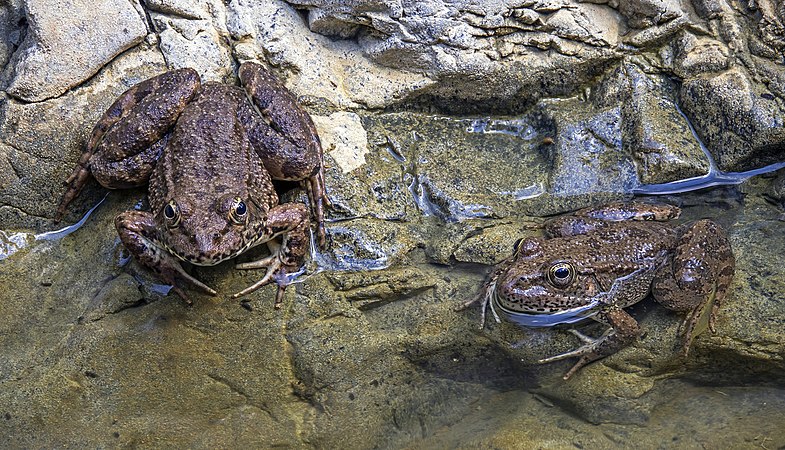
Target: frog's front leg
(290,221)
(623,331)
(129,137)
(285,137)
(139,234)
(697,277)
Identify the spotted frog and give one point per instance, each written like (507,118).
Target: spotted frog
(209,153)
(596,262)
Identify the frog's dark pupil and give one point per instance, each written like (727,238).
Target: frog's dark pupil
(562,272)
(169,212)
(240,209)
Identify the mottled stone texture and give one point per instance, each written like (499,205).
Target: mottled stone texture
(450,129)
(67,42)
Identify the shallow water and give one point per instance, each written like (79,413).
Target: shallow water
(368,350)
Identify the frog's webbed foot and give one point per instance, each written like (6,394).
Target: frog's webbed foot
(587,352)
(623,330)
(485,299)
(276,271)
(291,221)
(169,274)
(486,295)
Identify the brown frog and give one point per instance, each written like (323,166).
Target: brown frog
(598,261)
(209,152)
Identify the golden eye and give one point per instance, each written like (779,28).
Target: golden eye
(172,214)
(238,211)
(561,274)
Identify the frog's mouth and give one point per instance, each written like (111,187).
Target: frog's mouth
(208,259)
(544,319)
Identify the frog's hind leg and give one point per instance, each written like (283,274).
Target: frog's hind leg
(285,137)
(697,279)
(290,221)
(126,141)
(317,196)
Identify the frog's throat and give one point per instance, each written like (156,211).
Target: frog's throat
(545,318)
(212,260)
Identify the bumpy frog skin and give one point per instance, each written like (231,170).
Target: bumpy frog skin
(598,261)
(208,152)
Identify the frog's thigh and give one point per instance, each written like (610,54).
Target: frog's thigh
(282,133)
(135,123)
(691,278)
(141,119)
(131,171)
(143,109)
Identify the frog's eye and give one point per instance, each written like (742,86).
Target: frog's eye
(238,211)
(172,214)
(561,274)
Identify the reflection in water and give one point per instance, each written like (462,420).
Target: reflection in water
(11,243)
(63,232)
(715,177)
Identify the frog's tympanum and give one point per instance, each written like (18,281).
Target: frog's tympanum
(598,261)
(209,152)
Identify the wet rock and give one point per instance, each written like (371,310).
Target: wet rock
(194,34)
(501,181)
(646,122)
(320,67)
(492,42)
(694,56)
(12,30)
(367,244)
(743,128)
(372,289)
(563,104)
(345,139)
(589,143)
(604,395)
(776,192)
(64,46)
(492,243)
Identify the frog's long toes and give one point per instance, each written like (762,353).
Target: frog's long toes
(585,359)
(279,296)
(585,349)
(203,287)
(265,280)
(181,293)
(259,264)
(585,339)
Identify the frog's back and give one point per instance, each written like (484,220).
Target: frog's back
(209,155)
(616,248)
